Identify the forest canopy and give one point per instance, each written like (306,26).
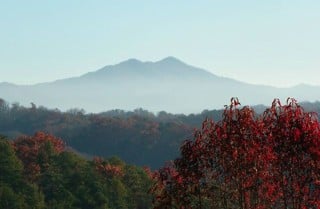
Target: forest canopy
(241,160)
(38,172)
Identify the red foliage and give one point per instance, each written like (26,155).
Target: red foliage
(246,161)
(106,169)
(31,151)
(295,138)
(169,189)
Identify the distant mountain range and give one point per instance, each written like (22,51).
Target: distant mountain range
(169,84)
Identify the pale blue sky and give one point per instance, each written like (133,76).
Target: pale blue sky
(272,42)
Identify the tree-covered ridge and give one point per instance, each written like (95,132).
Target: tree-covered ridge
(247,162)
(138,137)
(37,172)
(244,160)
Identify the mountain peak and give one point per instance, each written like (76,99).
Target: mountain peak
(168,84)
(170,59)
(131,61)
(166,60)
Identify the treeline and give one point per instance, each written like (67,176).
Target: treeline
(38,172)
(138,137)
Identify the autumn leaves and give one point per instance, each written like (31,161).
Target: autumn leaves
(246,161)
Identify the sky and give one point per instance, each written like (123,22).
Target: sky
(274,42)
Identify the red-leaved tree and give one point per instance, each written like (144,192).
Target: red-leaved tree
(295,137)
(35,151)
(106,169)
(246,161)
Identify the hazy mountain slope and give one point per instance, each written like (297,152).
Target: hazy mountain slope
(168,84)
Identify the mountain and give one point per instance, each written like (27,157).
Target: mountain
(168,84)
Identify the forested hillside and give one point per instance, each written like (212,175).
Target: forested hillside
(137,137)
(38,172)
(243,160)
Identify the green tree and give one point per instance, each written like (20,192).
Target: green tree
(15,192)
(138,184)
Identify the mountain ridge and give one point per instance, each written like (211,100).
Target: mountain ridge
(168,84)
(168,58)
